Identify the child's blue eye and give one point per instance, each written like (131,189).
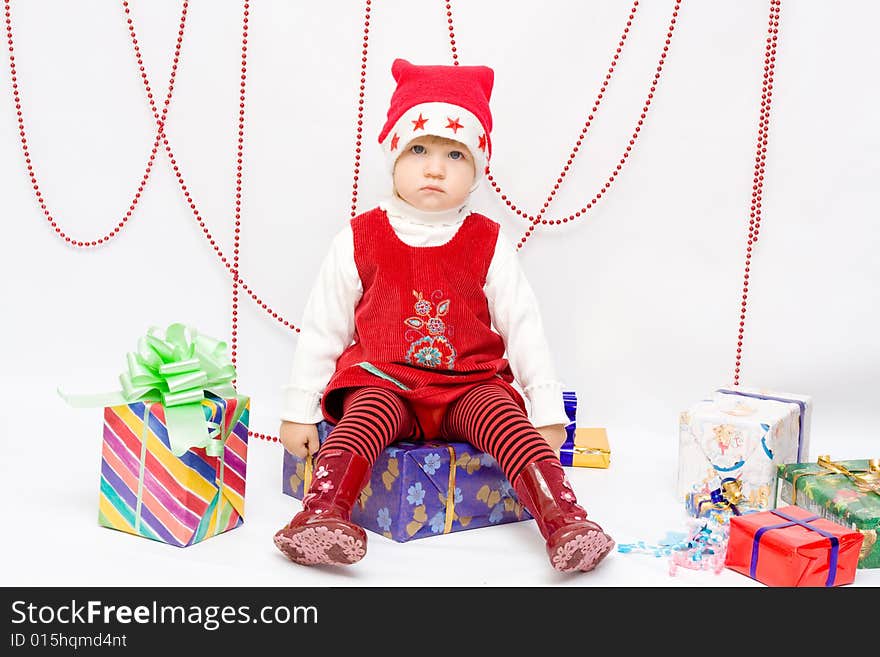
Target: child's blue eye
(456,155)
(418,149)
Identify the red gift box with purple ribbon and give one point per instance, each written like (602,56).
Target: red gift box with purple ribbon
(791,546)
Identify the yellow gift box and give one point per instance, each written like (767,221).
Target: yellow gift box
(589,449)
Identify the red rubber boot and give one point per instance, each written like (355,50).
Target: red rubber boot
(573,542)
(322,533)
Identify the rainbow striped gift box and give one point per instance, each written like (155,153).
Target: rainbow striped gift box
(147,491)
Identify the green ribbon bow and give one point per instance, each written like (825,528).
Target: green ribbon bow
(176,370)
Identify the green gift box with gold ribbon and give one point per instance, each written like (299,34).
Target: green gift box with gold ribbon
(174,454)
(846,492)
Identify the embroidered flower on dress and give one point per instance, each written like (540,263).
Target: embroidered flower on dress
(321,472)
(424,353)
(436,326)
(326,486)
(568,497)
(432,352)
(423,306)
(434,349)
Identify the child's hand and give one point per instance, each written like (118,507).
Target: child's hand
(299,439)
(554,434)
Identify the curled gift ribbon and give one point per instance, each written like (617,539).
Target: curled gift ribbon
(728,495)
(174,369)
(867,481)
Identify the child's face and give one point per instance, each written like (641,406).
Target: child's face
(434,173)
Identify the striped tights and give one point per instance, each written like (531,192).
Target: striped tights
(485,416)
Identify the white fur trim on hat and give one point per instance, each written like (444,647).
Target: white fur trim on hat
(440,120)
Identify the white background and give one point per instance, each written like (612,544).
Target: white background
(640,297)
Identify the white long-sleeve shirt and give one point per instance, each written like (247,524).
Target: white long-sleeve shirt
(328,318)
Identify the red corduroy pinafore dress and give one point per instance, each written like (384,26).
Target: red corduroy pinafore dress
(422,326)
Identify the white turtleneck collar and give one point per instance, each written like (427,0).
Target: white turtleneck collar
(399,210)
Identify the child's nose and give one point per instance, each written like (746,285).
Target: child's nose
(435,166)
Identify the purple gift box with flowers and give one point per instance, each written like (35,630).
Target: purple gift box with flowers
(408,495)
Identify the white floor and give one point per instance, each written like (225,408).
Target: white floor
(50,476)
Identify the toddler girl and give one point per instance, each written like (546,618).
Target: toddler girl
(419,321)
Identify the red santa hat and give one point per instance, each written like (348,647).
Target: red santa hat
(444,101)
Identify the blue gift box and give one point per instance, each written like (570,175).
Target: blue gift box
(408,497)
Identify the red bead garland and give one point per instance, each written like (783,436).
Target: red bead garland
(360,112)
(758,179)
(239,163)
(537,219)
(578,142)
(239,156)
(160,123)
(263,436)
(233,267)
(160,137)
(452,46)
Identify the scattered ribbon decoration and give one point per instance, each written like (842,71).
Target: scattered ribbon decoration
(728,495)
(175,369)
